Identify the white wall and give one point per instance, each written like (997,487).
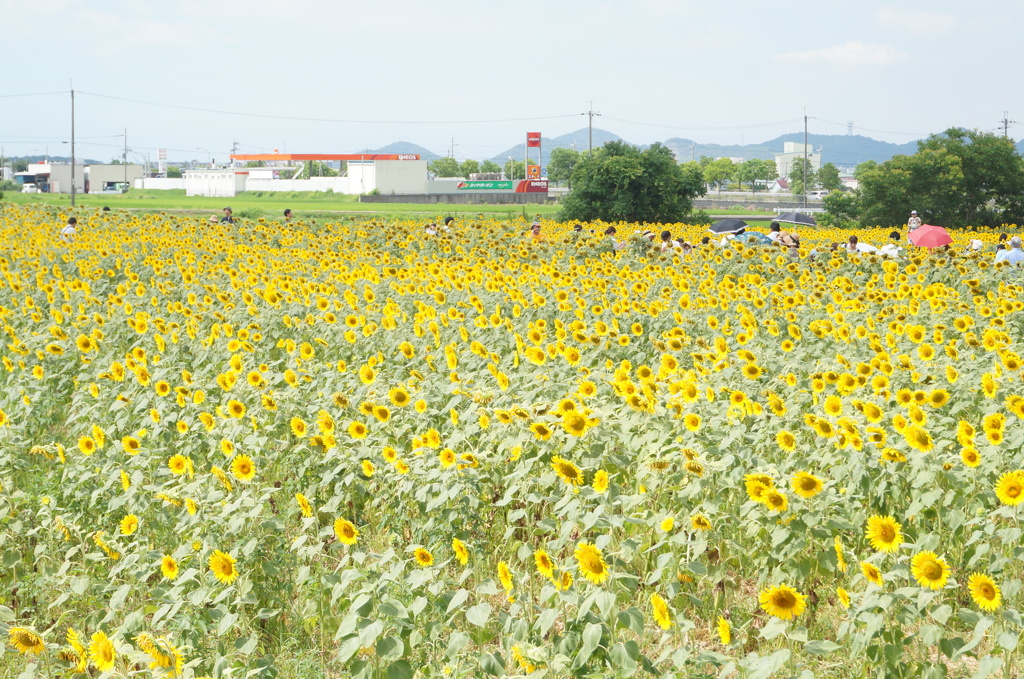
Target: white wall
(400,176)
(159,183)
(223,183)
(336,184)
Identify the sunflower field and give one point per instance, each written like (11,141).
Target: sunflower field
(356,449)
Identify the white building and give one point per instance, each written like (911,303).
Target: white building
(387,174)
(792,151)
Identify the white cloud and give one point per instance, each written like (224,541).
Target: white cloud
(853,53)
(915,20)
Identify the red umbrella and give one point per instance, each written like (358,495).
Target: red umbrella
(930,236)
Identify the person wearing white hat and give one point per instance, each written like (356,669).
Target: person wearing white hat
(914,220)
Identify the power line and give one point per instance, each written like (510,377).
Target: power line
(701,129)
(322,120)
(32,94)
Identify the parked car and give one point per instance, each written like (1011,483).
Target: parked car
(30,188)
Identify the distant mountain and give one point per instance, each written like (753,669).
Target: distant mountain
(407,147)
(53,159)
(839,149)
(580,139)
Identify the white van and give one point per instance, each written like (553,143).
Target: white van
(30,188)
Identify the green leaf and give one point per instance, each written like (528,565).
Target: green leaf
(393,608)
(763,668)
(1008,640)
(478,615)
(246,645)
(348,648)
(118,597)
(545,620)
(773,628)
(456,643)
(631,619)
(624,655)
(979,634)
(400,670)
(390,648)
(591,640)
(458,599)
(493,664)
(820,647)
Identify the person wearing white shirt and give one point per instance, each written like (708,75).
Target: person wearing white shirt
(1014,256)
(892,248)
(914,221)
(68,233)
(861,248)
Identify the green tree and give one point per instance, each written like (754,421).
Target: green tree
(561,164)
(490,166)
(315,168)
(19,165)
(444,167)
(468,167)
(718,172)
(993,175)
(957,178)
(841,209)
(173,172)
(756,170)
(514,169)
(828,178)
(800,172)
(931,181)
(621,182)
(864,167)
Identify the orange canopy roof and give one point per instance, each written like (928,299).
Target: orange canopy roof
(326,156)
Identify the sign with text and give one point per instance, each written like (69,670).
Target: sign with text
(485,186)
(533,186)
(533,139)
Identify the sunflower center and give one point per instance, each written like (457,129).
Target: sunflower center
(931,570)
(784,599)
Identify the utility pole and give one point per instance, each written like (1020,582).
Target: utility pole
(804,182)
(72,147)
(124,161)
(590,126)
(693,150)
(1006,122)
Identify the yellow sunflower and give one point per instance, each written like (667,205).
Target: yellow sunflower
(985,592)
(423,557)
(660,611)
(724,631)
(26,641)
(223,567)
(345,531)
(567,471)
(929,570)
(783,602)
(101,652)
(884,533)
(591,562)
(169,567)
(806,485)
(545,566)
(1010,488)
(871,573)
(243,469)
(461,551)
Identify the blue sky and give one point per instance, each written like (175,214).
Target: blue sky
(339,76)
